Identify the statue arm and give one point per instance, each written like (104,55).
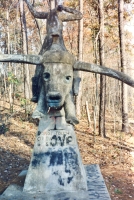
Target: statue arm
(39,15)
(74,14)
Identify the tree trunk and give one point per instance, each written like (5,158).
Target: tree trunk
(52,4)
(27,90)
(97,81)
(123,66)
(80,57)
(102,78)
(9,65)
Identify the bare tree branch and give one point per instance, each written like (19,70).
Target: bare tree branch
(29,59)
(88,67)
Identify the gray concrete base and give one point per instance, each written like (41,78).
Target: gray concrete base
(56,163)
(96,190)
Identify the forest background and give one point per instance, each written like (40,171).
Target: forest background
(21,33)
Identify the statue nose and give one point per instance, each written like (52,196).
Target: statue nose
(54,97)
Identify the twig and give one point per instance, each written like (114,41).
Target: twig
(88,114)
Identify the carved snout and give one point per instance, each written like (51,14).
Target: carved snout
(54,99)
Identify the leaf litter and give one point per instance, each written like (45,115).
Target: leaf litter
(114,154)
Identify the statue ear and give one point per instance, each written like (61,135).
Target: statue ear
(82,66)
(29,59)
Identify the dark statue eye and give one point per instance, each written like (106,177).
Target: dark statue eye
(68,78)
(46,76)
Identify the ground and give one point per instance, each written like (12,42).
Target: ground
(114,154)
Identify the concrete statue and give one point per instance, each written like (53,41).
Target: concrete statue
(56,169)
(54,26)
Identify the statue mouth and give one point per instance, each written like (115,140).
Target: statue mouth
(54,104)
(54,100)
(53,108)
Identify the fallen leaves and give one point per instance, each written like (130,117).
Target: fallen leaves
(117,163)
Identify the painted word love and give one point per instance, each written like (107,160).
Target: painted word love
(59,138)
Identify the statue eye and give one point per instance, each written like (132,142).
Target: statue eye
(68,78)
(46,76)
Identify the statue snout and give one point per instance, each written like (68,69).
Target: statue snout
(54,99)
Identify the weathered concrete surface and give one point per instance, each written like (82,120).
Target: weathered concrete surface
(56,171)
(96,186)
(56,164)
(95,183)
(55,83)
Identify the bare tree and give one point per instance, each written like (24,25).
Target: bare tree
(80,57)
(52,4)
(9,65)
(25,51)
(123,66)
(102,78)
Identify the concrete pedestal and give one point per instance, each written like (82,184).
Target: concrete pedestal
(56,171)
(96,190)
(56,164)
